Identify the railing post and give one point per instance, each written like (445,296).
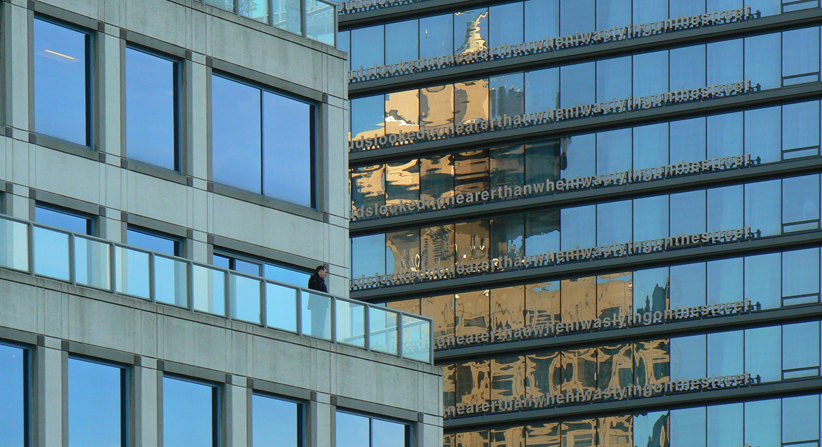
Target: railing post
(304,18)
(30,247)
(72,260)
(228,300)
(367,327)
(299,311)
(399,335)
(263,304)
(112,265)
(190,285)
(151,293)
(333,319)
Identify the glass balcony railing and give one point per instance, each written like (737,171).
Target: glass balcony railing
(123,270)
(314,19)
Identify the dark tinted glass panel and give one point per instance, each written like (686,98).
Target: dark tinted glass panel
(94,404)
(236,134)
(151,105)
(542,232)
(12,395)
(287,149)
(507,236)
(275,422)
(61,95)
(188,413)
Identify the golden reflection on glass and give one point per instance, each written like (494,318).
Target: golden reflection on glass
(579,369)
(437,106)
(579,299)
(402,112)
(402,182)
(471,31)
(472,241)
(471,101)
(579,433)
(542,303)
(542,435)
(471,172)
(507,166)
(410,306)
(449,440)
(509,437)
(508,308)
(441,310)
(652,362)
(614,295)
(472,312)
(543,374)
(437,177)
(473,382)
(616,366)
(449,384)
(473,439)
(544,161)
(437,247)
(616,431)
(367,189)
(508,377)
(404,251)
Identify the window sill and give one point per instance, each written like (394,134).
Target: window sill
(267,202)
(154,171)
(67,147)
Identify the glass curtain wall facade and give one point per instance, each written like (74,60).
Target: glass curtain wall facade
(556,182)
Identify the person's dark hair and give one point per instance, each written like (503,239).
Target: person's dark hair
(318,268)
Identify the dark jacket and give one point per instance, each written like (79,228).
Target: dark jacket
(317,283)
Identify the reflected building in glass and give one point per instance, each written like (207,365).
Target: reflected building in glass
(609,208)
(173,233)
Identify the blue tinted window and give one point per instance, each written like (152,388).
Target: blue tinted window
(95,414)
(541,19)
(687,213)
(61,83)
(404,41)
(688,285)
(188,414)
(286,275)
(763,280)
(577,16)
(236,134)
(12,395)
(577,227)
(725,423)
(725,207)
(763,133)
(761,424)
(723,135)
(800,350)
(613,223)
(368,255)
(368,44)
(611,13)
(613,78)
(724,61)
(688,139)
(646,11)
(577,84)
(541,90)
(650,73)
(613,151)
(687,67)
(151,109)
(725,351)
(688,357)
(368,117)
(763,61)
(650,146)
(763,348)
(287,149)
(650,218)
(800,419)
(760,200)
(362,431)
(800,56)
(275,422)
(262,142)
(61,219)
(800,275)
(153,242)
(505,24)
(436,36)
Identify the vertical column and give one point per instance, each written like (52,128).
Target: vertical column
(198,106)
(48,394)
(109,127)
(18,77)
(236,417)
(144,399)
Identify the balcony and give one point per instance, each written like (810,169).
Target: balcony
(128,271)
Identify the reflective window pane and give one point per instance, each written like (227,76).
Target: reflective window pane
(12,395)
(236,134)
(95,407)
(275,422)
(151,109)
(288,172)
(189,413)
(61,70)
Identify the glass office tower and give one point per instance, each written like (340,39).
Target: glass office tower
(610,208)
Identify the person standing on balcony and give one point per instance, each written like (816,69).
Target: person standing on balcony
(318,305)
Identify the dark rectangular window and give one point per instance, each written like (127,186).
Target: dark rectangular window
(62,82)
(151,108)
(276,422)
(13,395)
(262,142)
(190,413)
(96,404)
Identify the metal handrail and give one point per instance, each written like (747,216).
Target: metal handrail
(113,280)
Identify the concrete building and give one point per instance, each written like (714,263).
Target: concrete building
(610,209)
(171,173)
